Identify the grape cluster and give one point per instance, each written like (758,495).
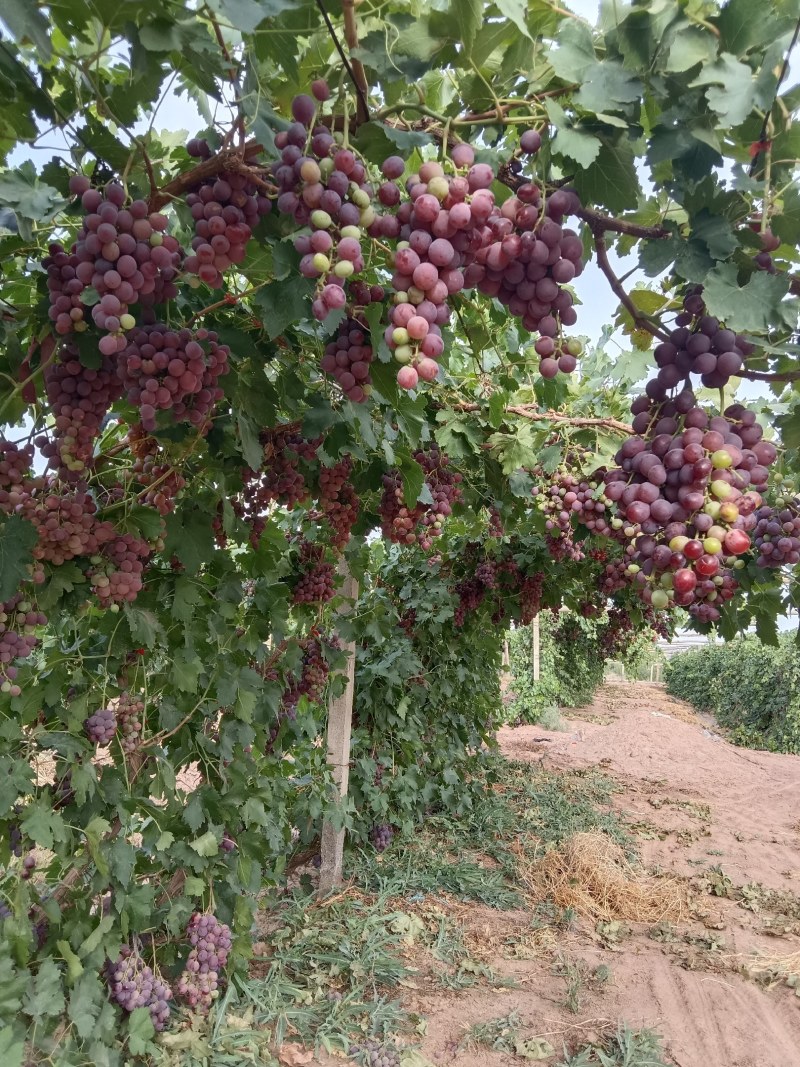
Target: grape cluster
(132,985)
(18,622)
(65,521)
(101,726)
(161,482)
(399,522)
(347,358)
(699,344)
(686,496)
(130,720)
(317,581)
(174,371)
(769,244)
(119,577)
(338,500)
(226,209)
(313,677)
(211,942)
(530,597)
(124,254)
(324,187)
(776,534)
(15,465)
(454,236)
(28,867)
(381,836)
(80,397)
(278,480)
(374,1053)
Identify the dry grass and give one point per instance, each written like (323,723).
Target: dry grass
(771,968)
(590,874)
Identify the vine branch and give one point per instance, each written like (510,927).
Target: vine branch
(530,411)
(358,80)
(603,262)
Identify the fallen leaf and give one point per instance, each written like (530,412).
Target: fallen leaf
(294,1056)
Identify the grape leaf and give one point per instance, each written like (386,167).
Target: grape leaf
(571,142)
(515,11)
(284,302)
(140,1031)
(17,539)
(610,176)
(86,1002)
(575,52)
(27,23)
(246,15)
(468,16)
(43,825)
(12,1047)
(206,845)
(731,89)
(756,306)
(690,46)
(607,86)
(45,995)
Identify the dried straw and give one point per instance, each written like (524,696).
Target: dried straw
(590,874)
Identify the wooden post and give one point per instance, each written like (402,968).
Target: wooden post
(506,657)
(535,647)
(340,717)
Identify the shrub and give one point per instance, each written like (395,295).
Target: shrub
(750,688)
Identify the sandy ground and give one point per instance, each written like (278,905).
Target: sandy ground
(693,802)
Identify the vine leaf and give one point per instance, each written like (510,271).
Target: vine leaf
(17,538)
(27,23)
(731,89)
(755,306)
(571,142)
(514,11)
(575,53)
(468,16)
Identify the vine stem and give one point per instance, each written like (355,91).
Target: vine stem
(641,321)
(359,81)
(530,411)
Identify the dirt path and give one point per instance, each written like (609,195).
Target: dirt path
(698,807)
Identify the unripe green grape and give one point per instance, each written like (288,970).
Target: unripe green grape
(321,220)
(400,335)
(367,218)
(326,167)
(127,322)
(439,187)
(156,239)
(81,327)
(404,354)
(352,231)
(400,298)
(343,269)
(321,263)
(416,296)
(360,197)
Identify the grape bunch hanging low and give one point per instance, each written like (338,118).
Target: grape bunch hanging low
(420,523)
(132,984)
(210,939)
(686,494)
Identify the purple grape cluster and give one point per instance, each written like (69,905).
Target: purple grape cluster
(226,209)
(28,867)
(211,943)
(101,727)
(686,496)
(132,985)
(699,344)
(338,500)
(399,522)
(18,624)
(347,359)
(124,254)
(381,836)
(776,534)
(175,371)
(120,578)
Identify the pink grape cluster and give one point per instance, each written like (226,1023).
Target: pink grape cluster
(119,579)
(226,209)
(686,496)
(175,371)
(317,582)
(313,678)
(776,535)
(132,985)
(530,597)
(338,500)
(278,479)
(211,943)
(160,480)
(399,522)
(130,719)
(699,344)
(80,397)
(324,186)
(15,465)
(18,623)
(101,726)
(381,836)
(123,254)
(347,358)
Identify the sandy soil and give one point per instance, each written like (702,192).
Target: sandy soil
(693,802)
